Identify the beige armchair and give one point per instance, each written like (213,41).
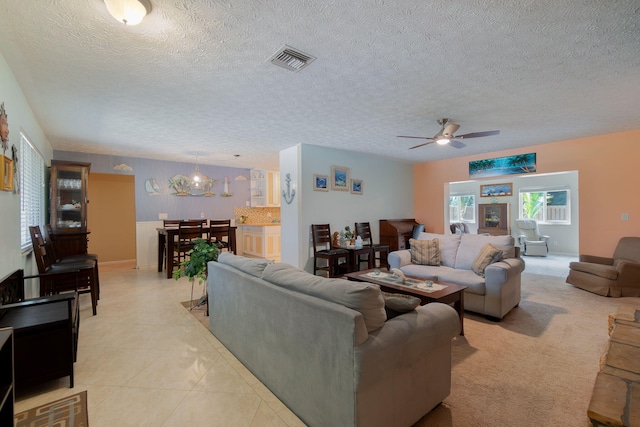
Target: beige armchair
(618,276)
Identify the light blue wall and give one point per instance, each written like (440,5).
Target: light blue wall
(149,206)
(388,193)
(20,117)
(563,237)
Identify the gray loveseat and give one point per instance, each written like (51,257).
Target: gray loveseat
(493,295)
(332,365)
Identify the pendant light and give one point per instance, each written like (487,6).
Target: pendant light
(196,178)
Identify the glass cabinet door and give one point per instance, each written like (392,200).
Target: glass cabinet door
(69,196)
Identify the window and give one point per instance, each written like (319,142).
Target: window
(462,208)
(550,206)
(32,203)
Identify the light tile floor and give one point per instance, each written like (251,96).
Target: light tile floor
(146,361)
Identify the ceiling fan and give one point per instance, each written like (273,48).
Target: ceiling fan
(446,135)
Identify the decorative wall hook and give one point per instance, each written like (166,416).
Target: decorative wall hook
(291,192)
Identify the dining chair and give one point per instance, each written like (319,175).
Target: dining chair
(49,240)
(188,232)
(379,252)
(57,277)
(322,249)
(219,233)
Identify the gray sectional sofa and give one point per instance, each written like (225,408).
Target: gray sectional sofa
(493,295)
(325,348)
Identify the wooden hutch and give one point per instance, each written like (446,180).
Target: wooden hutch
(68,201)
(396,233)
(494,219)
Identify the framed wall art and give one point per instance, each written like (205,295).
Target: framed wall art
(7,174)
(340,178)
(356,186)
(320,182)
(510,165)
(495,190)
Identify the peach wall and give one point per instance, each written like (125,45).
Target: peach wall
(608,168)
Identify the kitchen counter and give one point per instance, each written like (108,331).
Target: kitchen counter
(260,240)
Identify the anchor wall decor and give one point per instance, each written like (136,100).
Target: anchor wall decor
(290,193)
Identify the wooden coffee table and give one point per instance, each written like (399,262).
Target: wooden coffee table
(452,294)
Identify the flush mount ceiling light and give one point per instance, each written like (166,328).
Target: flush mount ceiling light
(129,12)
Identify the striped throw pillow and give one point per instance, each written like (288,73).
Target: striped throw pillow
(487,255)
(425,252)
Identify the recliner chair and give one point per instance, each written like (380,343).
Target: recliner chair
(618,276)
(531,241)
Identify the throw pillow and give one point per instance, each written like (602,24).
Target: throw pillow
(487,255)
(397,304)
(425,252)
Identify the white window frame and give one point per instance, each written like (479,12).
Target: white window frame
(32,189)
(545,209)
(459,196)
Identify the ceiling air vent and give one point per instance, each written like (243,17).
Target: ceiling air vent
(291,59)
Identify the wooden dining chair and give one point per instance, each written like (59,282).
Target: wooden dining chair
(57,277)
(322,249)
(188,232)
(219,230)
(379,252)
(49,240)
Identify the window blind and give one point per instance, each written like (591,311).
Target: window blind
(32,189)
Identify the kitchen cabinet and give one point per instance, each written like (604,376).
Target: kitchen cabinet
(265,188)
(261,241)
(68,201)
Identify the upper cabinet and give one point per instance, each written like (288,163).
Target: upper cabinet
(265,188)
(69,196)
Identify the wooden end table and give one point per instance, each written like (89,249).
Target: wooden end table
(452,294)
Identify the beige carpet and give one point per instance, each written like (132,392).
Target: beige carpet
(534,368)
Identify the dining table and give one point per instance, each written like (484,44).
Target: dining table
(166,243)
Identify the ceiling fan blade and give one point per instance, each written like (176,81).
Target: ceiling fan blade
(416,137)
(479,134)
(450,130)
(421,145)
(457,144)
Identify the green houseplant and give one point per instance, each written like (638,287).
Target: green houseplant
(196,265)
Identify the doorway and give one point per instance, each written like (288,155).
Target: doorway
(112,217)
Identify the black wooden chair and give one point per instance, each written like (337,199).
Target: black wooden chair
(57,277)
(48,237)
(219,233)
(188,232)
(379,251)
(322,249)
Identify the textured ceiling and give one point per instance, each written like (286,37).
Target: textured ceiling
(193,78)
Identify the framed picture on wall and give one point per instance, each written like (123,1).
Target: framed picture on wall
(7,174)
(320,182)
(356,186)
(340,178)
(494,190)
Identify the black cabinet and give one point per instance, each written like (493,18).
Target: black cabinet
(7,394)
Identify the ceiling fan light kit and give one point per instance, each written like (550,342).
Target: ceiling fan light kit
(129,12)
(446,135)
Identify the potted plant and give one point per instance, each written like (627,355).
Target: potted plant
(196,265)
(347,235)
